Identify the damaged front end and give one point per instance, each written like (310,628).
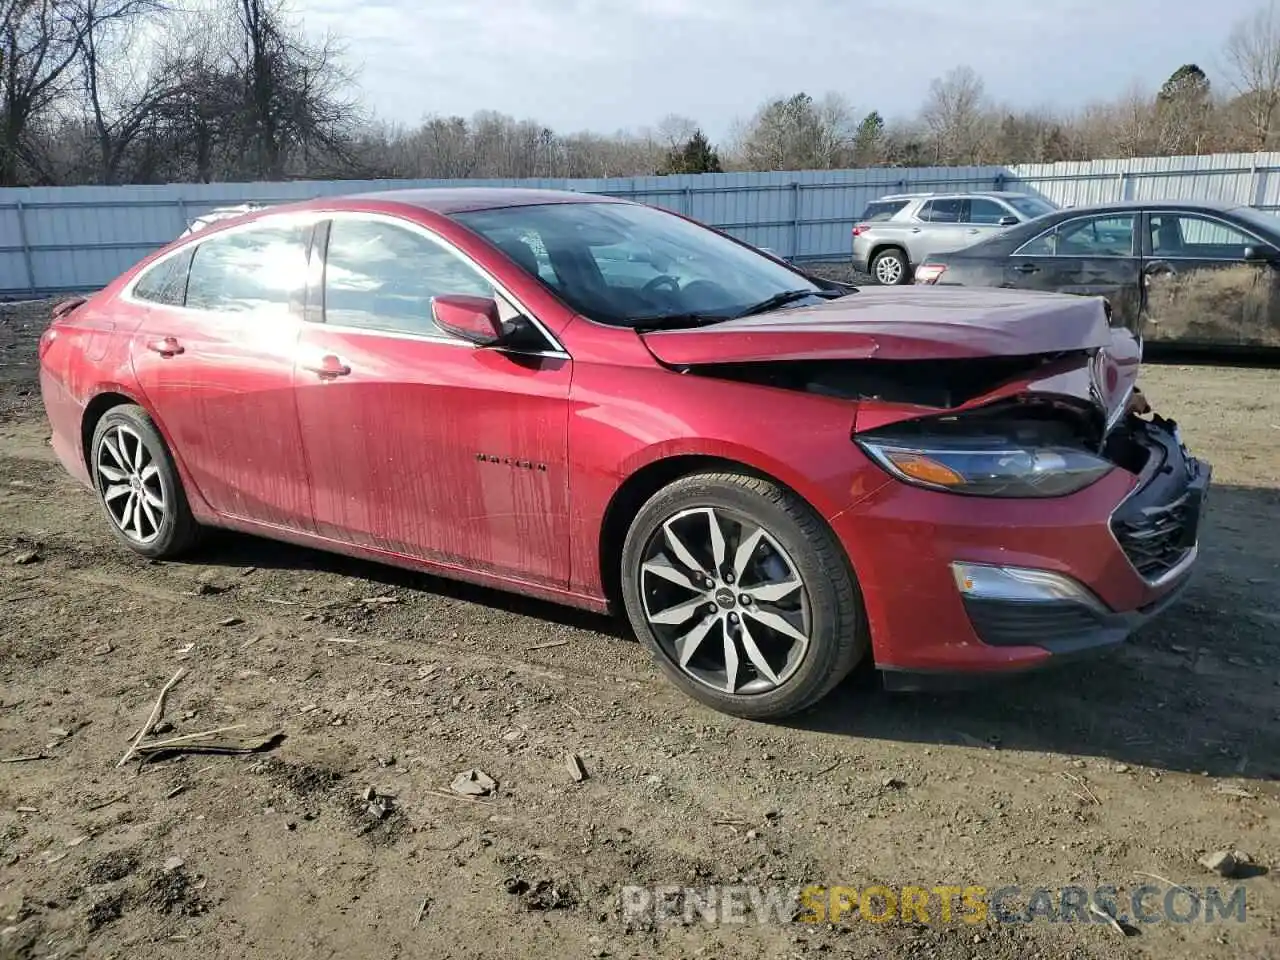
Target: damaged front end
(1019,427)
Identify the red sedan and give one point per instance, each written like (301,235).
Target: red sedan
(608,405)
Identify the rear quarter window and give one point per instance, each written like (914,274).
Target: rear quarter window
(881,210)
(165,282)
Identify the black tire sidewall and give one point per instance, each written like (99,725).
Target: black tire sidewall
(177,526)
(837,640)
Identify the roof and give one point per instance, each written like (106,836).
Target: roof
(1124,205)
(447,200)
(957,193)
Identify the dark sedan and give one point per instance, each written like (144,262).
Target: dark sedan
(1188,274)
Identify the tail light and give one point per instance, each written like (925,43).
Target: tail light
(46,341)
(860,229)
(930,272)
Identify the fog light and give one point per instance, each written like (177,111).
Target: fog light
(1021,585)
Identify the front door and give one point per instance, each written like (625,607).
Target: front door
(1088,256)
(1201,287)
(217,364)
(420,443)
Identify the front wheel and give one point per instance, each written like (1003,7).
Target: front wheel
(742,595)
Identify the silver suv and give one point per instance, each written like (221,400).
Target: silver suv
(899,231)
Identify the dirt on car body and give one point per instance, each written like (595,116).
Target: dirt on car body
(346,839)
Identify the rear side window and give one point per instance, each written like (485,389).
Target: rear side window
(165,282)
(943,211)
(260,270)
(879,210)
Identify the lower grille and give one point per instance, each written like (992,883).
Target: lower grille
(1004,623)
(1158,538)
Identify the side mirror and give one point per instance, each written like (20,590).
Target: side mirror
(474,319)
(1260,254)
(1008,221)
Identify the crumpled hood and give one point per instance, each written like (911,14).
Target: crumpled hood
(898,323)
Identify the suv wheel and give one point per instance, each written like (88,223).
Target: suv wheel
(742,595)
(889,267)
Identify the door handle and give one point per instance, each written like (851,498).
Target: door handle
(327,367)
(165,346)
(1027,268)
(972,230)
(915,229)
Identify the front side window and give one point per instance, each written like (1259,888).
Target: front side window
(629,264)
(259,270)
(986,212)
(383,276)
(1202,238)
(165,283)
(1106,236)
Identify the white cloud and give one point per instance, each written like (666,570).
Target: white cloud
(609,64)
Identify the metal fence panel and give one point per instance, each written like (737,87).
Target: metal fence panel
(57,239)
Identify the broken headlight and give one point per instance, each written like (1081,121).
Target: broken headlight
(985,466)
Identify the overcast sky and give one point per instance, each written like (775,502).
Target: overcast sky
(605,65)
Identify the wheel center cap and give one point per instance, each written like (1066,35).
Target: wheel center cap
(726,598)
(135,483)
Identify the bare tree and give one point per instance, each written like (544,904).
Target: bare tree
(297,95)
(38,44)
(954,114)
(1252,55)
(797,133)
(123,86)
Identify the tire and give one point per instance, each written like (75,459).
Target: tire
(826,608)
(890,268)
(159,524)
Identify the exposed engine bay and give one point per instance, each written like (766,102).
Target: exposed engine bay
(944,383)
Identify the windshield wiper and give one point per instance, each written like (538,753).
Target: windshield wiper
(785,297)
(674,321)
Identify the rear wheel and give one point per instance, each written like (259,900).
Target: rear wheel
(742,595)
(138,484)
(890,267)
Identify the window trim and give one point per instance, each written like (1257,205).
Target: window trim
(555,348)
(1137,220)
(303,219)
(1148,213)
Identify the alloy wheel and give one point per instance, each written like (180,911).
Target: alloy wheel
(725,601)
(888,270)
(129,483)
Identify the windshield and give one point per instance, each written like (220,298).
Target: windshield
(1030,206)
(633,265)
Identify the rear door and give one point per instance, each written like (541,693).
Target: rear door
(942,229)
(218,371)
(1201,287)
(1092,256)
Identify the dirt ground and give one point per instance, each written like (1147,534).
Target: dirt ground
(1123,770)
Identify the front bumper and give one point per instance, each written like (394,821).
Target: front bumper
(1121,552)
